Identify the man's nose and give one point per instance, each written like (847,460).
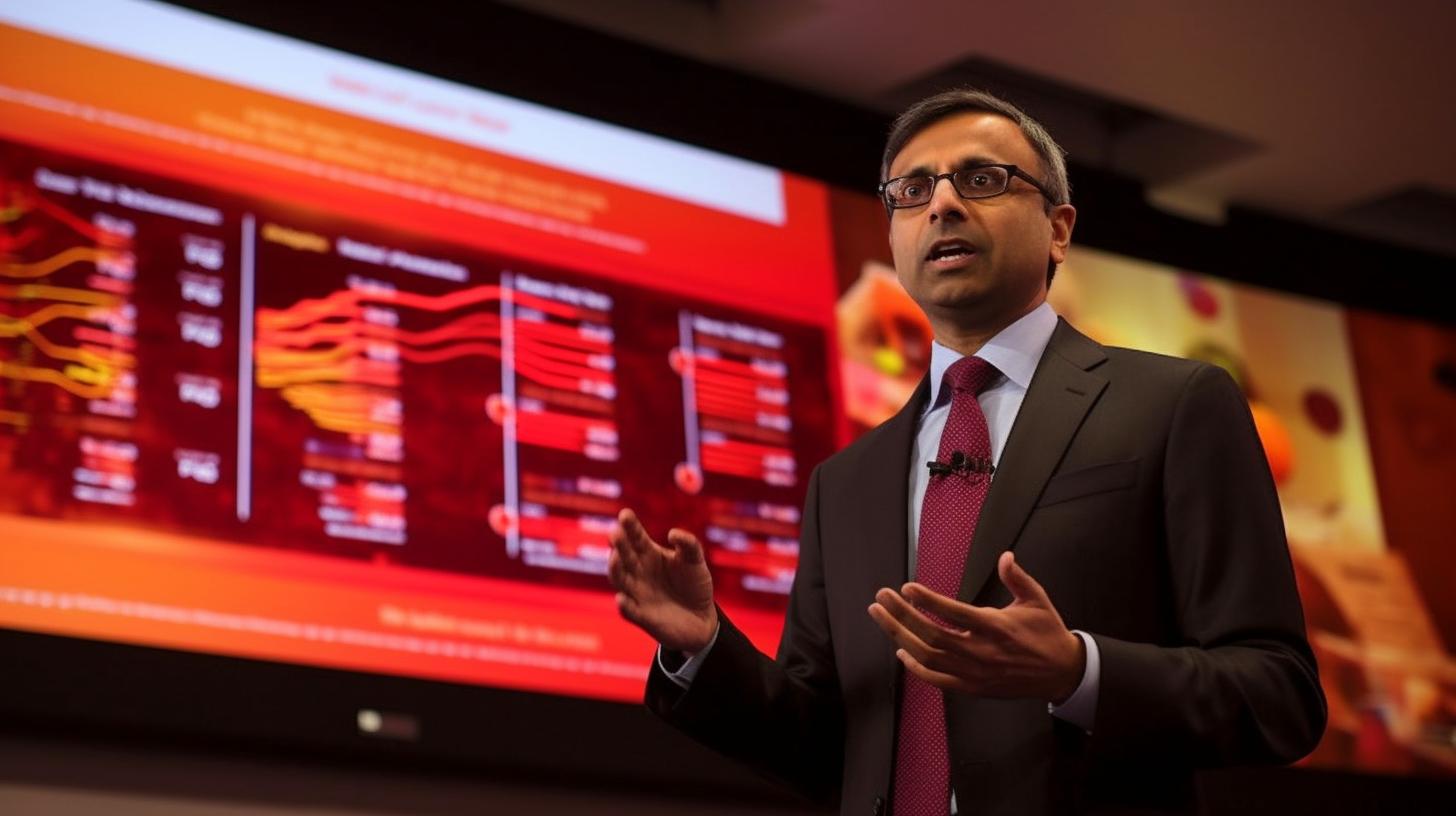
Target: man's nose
(946,203)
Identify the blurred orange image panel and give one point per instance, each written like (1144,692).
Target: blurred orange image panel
(1360,435)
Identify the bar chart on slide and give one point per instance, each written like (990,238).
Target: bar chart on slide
(736,413)
(738,432)
(558,397)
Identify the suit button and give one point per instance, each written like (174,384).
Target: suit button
(879,806)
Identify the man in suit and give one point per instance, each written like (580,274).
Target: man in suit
(1103,598)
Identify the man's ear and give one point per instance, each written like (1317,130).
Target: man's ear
(1063,218)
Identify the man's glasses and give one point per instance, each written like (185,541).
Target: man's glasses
(981,181)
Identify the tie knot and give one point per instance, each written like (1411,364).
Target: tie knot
(970,374)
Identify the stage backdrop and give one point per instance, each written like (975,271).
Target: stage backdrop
(310,359)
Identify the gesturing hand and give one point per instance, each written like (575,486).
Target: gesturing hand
(665,590)
(1022,650)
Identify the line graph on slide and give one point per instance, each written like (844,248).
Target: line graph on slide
(277,377)
(93,313)
(68,335)
(284,378)
(340,360)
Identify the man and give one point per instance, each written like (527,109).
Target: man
(1103,598)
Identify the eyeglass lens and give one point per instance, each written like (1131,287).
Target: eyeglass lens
(972,182)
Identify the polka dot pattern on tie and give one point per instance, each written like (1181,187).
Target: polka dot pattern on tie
(947,520)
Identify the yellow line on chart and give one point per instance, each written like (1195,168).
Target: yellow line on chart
(50,375)
(10,325)
(16,418)
(274,358)
(66,294)
(58,261)
(85,357)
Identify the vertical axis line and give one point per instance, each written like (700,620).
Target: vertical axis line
(689,387)
(245,375)
(508,419)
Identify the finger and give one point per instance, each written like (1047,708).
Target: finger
(1023,587)
(974,619)
(687,545)
(621,547)
(634,532)
(931,632)
(628,608)
(901,636)
(949,682)
(616,571)
(946,614)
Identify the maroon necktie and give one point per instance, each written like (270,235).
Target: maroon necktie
(947,519)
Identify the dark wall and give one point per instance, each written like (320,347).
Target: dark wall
(509,51)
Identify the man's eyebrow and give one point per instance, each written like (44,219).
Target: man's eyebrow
(977,161)
(969,161)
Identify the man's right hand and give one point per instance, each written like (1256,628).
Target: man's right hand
(664,590)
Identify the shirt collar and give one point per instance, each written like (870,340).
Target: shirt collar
(1015,350)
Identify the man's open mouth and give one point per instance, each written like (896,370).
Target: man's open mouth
(950,250)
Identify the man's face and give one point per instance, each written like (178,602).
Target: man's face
(1005,242)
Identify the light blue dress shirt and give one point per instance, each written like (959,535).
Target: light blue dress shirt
(1015,352)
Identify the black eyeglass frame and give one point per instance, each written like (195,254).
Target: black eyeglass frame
(1012,171)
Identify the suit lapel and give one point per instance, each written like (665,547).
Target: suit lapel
(880,513)
(882,524)
(1061,393)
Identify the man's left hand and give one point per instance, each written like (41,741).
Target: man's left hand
(1021,650)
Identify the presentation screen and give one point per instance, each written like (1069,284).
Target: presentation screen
(310,359)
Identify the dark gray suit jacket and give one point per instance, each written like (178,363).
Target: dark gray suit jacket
(1134,488)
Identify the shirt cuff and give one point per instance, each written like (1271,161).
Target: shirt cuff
(1081,708)
(683,675)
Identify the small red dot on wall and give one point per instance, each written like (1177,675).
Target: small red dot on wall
(1323,412)
(1200,297)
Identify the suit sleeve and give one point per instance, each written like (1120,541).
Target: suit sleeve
(781,717)
(1242,686)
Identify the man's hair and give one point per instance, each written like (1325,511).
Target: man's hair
(932,109)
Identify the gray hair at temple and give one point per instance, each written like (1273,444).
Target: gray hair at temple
(932,109)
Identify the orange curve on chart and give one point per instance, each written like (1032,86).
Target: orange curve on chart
(57,262)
